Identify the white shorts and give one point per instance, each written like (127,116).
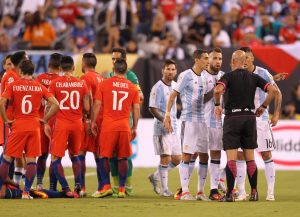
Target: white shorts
(265,139)
(215,139)
(194,137)
(166,144)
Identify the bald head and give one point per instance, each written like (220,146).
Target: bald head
(238,60)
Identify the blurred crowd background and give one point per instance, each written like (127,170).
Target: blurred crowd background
(150,28)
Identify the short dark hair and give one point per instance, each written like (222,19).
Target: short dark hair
(27,67)
(216,49)
(90,60)
(54,61)
(6,58)
(67,63)
(18,57)
(197,53)
(82,18)
(120,66)
(169,62)
(120,50)
(246,49)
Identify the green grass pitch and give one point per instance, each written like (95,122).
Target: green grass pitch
(146,204)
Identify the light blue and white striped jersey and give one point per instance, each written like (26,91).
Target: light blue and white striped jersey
(261,95)
(192,88)
(210,119)
(159,96)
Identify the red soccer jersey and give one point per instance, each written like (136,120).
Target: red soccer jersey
(69,92)
(117,95)
(26,96)
(45,79)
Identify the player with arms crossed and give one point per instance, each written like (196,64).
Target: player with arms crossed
(45,79)
(165,144)
(72,95)
(117,96)
(26,95)
(89,142)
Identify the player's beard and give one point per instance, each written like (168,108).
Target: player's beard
(214,69)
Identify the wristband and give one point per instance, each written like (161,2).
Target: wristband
(217,104)
(88,121)
(168,114)
(265,107)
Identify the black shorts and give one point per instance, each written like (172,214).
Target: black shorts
(239,131)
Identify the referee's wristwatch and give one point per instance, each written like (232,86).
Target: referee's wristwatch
(217,103)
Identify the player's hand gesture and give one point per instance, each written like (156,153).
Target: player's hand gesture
(259,111)
(168,123)
(94,128)
(280,76)
(274,119)
(218,112)
(133,134)
(88,128)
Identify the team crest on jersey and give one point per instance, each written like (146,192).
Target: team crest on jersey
(10,80)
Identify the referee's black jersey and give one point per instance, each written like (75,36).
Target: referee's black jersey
(240,86)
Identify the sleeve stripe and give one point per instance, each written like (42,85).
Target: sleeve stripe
(266,86)
(222,83)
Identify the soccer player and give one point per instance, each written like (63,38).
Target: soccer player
(26,96)
(45,79)
(10,76)
(166,144)
(239,128)
(191,87)
(120,53)
(212,75)
(117,96)
(265,140)
(72,95)
(89,142)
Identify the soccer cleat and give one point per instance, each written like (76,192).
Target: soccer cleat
(96,194)
(106,191)
(253,195)
(187,196)
(155,183)
(121,193)
(115,190)
(129,190)
(39,187)
(166,193)
(241,197)
(26,196)
(202,196)
(82,192)
(38,194)
(177,194)
(227,198)
(77,190)
(270,197)
(214,194)
(68,193)
(222,186)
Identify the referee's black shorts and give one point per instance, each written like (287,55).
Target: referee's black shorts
(239,131)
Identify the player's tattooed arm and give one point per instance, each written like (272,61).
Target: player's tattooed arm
(272,91)
(218,91)
(52,107)
(208,96)
(94,115)
(86,104)
(277,107)
(156,113)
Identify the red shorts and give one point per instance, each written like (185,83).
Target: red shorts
(90,143)
(66,135)
(115,143)
(45,142)
(27,141)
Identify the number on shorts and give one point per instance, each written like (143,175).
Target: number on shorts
(74,104)
(26,105)
(270,143)
(120,102)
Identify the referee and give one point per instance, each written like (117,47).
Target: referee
(239,130)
